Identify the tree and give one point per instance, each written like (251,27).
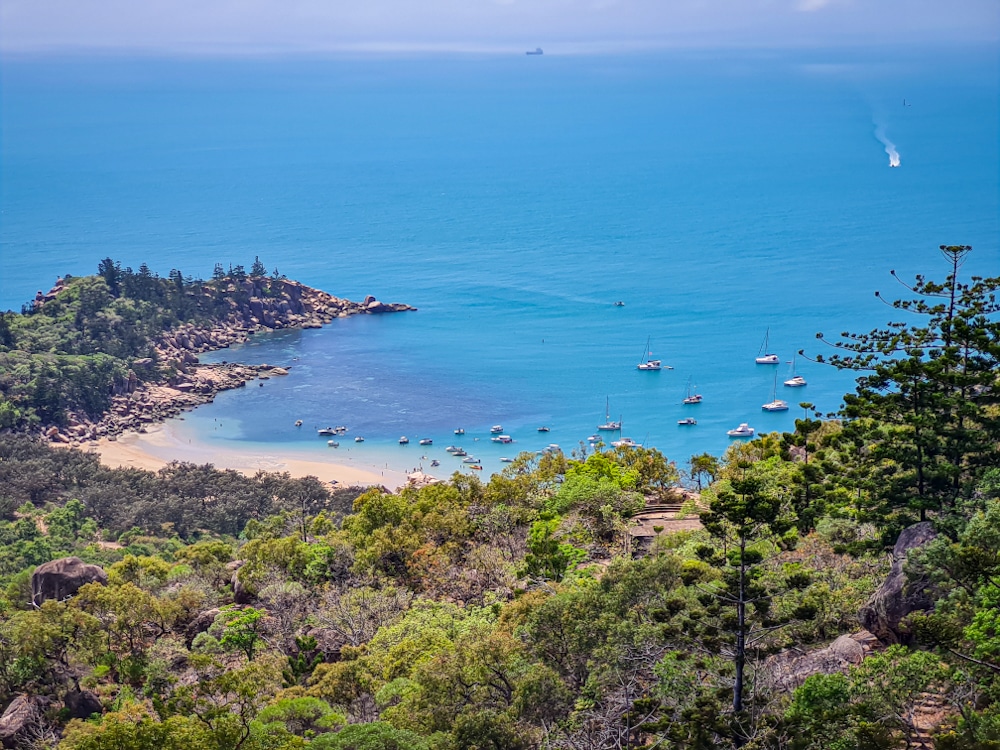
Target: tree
(112,272)
(704,465)
(740,517)
(242,629)
(257,270)
(929,391)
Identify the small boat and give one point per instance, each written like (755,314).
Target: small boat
(795,381)
(687,420)
(459,452)
(298,422)
(593,438)
(744,430)
(625,442)
(340,429)
(476,467)
(333,443)
(496,429)
(543,429)
(651,364)
(459,431)
(692,397)
(535,51)
(452,449)
(775,404)
(470,460)
(404,440)
(608,425)
(763,357)
(505,460)
(359,439)
(619,303)
(426,441)
(326,431)
(502,439)
(435,462)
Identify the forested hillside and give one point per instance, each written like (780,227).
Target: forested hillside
(840,590)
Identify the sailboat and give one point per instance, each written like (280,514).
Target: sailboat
(763,357)
(608,425)
(775,404)
(651,364)
(796,381)
(692,398)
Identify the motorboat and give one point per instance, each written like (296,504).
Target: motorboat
(435,462)
(609,425)
(593,438)
(459,431)
(404,440)
(496,429)
(470,460)
(326,431)
(426,441)
(359,439)
(619,303)
(333,443)
(744,430)
(625,442)
(459,452)
(687,420)
(502,439)
(505,460)
(543,429)
(763,357)
(298,422)
(476,467)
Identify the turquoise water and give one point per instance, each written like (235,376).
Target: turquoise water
(513,201)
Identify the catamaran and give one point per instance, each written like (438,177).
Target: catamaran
(651,364)
(763,357)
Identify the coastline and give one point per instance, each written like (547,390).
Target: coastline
(160,444)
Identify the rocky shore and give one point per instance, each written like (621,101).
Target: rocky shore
(173,380)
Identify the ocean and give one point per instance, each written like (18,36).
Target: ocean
(514,200)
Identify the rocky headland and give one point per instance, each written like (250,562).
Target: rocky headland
(173,380)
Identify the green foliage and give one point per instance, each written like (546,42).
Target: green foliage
(374,736)
(548,559)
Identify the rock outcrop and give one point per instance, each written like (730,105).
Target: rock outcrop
(789,669)
(58,579)
(82,704)
(173,380)
(18,720)
(898,596)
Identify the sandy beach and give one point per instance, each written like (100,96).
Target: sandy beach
(160,445)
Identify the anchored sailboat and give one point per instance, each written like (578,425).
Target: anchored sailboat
(649,363)
(609,426)
(775,404)
(795,381)
(692,397)
(763,357)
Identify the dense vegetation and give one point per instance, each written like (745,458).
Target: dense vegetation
(269,613)
(72,351)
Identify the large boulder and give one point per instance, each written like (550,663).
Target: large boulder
(82,704)
(59,579)
(17,721)
(898,596)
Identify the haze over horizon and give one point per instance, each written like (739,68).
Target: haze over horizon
(563,26)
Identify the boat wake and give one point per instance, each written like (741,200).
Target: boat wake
(890,147)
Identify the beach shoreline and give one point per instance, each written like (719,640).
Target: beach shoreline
(161,444)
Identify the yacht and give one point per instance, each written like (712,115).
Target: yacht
(609,425)
(426,441)
(775,404)
(459,452)
(687,420)
(326,431)
(625,442)
(692,397)
(505,460)
(496,429)
(763,357)
(404,440)
(795,381)
(459,431)
(543,429)
(502,439)
(470,460)
(333,443)
(359,439)
(651,364)
(744,430)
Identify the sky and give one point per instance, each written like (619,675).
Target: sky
(566,26)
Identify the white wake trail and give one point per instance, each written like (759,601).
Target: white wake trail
(890,147)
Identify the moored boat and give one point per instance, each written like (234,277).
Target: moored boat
(763,357)
(404,440)
(496,429)
(426,441)
(687,420)
(609,425)
(744,430)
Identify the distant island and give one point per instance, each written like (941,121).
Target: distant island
(98,355)
(535,51)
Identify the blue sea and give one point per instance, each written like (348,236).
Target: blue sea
(721,196)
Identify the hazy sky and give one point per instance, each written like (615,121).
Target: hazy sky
(239,26)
